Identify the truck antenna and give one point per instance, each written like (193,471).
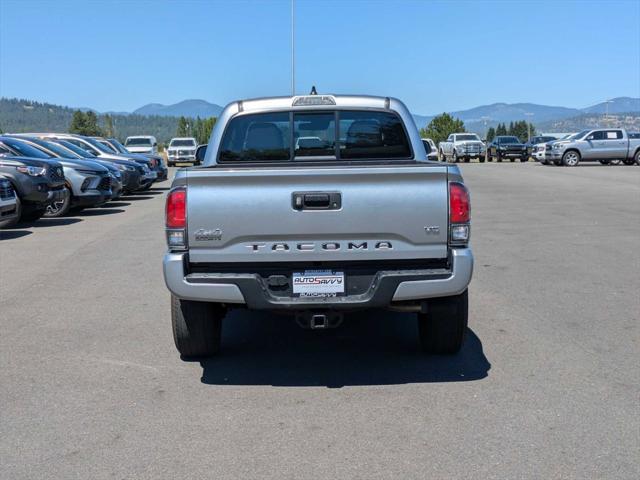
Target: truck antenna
(293,49)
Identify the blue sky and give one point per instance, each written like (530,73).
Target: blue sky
(435,55)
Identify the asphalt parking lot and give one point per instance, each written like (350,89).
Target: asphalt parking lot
(546,386)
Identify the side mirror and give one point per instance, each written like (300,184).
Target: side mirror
(201,151)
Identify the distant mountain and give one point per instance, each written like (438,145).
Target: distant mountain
(616,105)
(475,118)
(186,108)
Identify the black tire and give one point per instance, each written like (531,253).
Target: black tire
(513,160)
(498,157)
(636,157)
(467,160)
(442,329)
(481,159)
(455,157)
(11,223)
(31,215)
(59,209)
(628,161)
(197,327)
(524,159)
(571,158)
(605,162)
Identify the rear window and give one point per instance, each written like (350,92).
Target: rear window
(182,143)
(332,135)
(135,141)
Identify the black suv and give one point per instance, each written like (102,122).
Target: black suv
(507,147)
(37,183)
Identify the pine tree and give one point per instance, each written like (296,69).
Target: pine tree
(183,128)
(108,126)
(91,124)
(501,129)
(78,123)
(491,134)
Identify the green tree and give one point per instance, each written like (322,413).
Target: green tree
(109,131)
(510,131)
(78,123)
(183,127)
(205,130)
(491,134)
(91,124)
(441,126)
(501,129)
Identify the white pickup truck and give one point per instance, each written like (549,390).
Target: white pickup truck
(462,146)
(316,206)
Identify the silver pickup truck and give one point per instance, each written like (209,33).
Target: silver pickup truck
(600,144)
(315,206)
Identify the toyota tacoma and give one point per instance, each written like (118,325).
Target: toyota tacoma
(357,219)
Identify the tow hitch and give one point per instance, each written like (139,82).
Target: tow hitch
(319,320)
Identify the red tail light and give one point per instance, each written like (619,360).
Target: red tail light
(459,203)
(176,211)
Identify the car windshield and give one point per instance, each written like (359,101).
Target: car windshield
(274,136)
(508,140)
(118,146)
(96,144)
(182,143)
(24,149)
(55,148)
(138,142)
(108,146)
(579,134)
(466,138)
(74,148)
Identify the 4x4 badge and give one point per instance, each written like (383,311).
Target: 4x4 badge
(203,235)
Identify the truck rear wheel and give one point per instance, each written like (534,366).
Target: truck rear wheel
(442,329)
(197,327)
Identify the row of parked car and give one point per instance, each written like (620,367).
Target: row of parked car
(606,145)
(48,174)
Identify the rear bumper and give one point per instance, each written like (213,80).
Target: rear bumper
(386,287)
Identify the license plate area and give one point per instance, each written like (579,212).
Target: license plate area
(318,283)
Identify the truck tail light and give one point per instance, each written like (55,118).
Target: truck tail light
(459,214)
(176,218)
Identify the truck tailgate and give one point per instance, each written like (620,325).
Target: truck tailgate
(248,214)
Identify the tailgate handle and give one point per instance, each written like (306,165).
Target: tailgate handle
(316,200)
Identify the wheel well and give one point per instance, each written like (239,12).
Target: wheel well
(572,150)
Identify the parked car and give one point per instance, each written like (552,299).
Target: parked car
(430,148)
(506,147)
(314,239)
(8,202)
(142,144)
(157,164)
(130,171)
(141,165)
(537,140)
(600,144)
(60,151)
(462,146)
(87,183)
(182,149)
(37,183)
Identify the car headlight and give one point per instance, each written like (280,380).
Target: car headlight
(32,171)
(558,146)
